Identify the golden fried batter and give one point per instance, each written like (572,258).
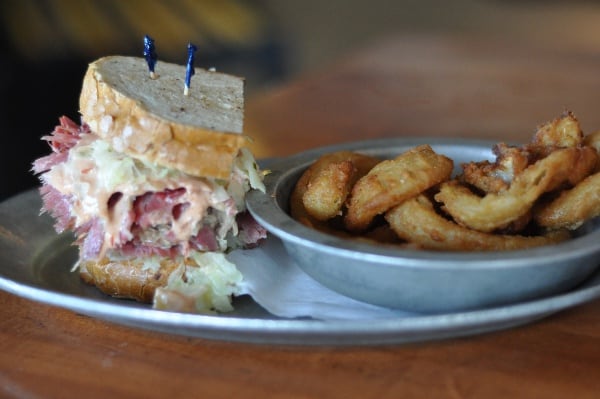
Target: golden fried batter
(416,220)
(297,209)
(550,184)
(572,207)
(561,132)
(593,140)
(495,177)
(309,185)
(393,181)
(327,192)
(498,210)
(331,178)
(489,177)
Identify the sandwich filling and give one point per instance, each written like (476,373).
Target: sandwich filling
(119,206)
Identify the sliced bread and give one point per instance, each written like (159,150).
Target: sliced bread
(151,119)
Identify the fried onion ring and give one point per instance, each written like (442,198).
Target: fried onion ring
(416,221)
(494,177)
(530,195)
(392,181)
(564,131)
(298,210)
(593,140)
(572,207)
(496,211)
(331,179)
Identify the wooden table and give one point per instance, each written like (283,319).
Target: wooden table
(404,86)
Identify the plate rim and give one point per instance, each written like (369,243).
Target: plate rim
(397,330)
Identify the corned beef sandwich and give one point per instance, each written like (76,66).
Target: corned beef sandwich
(152,183)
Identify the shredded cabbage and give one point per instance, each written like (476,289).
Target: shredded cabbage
(205,287)
(246,175)
(115,168)
(246,163)
(255,176)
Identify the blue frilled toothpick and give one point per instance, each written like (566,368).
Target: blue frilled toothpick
(189,71)
(150,55)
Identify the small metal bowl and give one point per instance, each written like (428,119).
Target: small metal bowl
(415,280)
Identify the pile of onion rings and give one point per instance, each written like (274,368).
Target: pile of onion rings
(531,195)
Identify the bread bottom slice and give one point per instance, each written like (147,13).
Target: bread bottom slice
(203,282)
(134,278)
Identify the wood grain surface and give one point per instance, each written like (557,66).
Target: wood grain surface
(434,86)
(402,86)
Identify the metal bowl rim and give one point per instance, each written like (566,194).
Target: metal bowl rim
(266,210)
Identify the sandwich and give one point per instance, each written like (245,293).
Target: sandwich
(151,182)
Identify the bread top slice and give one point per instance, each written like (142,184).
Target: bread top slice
(151,119)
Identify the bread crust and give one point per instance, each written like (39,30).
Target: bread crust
(128,278)
(133,125)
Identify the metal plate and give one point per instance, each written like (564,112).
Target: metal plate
(35,264)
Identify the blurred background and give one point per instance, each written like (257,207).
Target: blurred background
(46,45)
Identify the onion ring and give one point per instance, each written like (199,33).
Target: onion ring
(564,131)
(392,181)
(496,211)
(593,140)
(331,179)
(416,221)
(572,207)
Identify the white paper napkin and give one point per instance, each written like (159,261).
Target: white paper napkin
(277,284)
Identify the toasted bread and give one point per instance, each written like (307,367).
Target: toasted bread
(203,283)
(128,278)
(151,119)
